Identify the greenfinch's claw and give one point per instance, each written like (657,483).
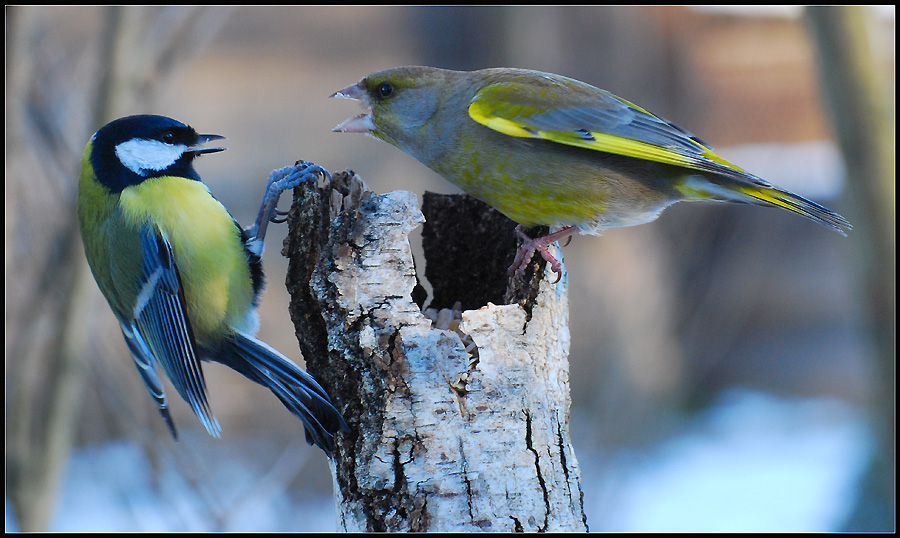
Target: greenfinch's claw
(558,277)
(539,244)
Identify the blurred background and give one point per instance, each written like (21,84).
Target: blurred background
(732,367)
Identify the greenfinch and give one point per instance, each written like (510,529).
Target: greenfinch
(545,149)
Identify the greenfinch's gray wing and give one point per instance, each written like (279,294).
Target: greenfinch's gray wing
(570,112)
(162,325)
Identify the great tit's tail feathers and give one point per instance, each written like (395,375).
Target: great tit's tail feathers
(296,389)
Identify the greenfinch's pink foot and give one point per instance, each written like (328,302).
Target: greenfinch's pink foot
(539,244)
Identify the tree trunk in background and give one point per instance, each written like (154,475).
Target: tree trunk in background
(459,418)
(860,106)
(52,330)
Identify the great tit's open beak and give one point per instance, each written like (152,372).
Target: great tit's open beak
(362,123)
(203,139)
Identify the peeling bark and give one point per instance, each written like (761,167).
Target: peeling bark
(459,418)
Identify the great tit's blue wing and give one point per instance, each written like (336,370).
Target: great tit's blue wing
(160,316)
(146,366)
(296,389)
(570,112)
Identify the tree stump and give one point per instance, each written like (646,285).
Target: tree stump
(459,416)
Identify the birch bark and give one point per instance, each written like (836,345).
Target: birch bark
(459,418)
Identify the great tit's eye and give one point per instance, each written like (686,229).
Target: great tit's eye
(168,137)
(385,90)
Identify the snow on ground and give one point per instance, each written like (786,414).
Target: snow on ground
(751,463)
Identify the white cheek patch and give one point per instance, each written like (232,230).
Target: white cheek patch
(141,155)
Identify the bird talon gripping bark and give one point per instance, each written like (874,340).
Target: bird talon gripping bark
(539,244)
(279,181)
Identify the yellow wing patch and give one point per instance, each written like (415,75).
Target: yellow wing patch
(704,159)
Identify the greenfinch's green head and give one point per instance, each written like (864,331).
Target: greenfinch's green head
(403,104)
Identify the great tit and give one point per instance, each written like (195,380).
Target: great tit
(181,276)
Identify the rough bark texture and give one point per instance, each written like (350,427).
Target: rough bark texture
(459,418)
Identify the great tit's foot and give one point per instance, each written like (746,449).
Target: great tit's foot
(539,244)
(279,181)
(279,216)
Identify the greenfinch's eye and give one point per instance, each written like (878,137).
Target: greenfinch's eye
(385,90)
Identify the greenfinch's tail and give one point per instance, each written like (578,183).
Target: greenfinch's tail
(779,198)
(755,191)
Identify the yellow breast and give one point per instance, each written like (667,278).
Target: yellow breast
(207,246)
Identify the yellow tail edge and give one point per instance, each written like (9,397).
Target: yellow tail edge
(798,204)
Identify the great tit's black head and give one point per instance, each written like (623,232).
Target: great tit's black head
(129,150)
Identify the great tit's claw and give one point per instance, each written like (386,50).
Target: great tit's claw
(279,181)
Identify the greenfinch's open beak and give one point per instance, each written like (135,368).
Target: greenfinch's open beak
(203,139)
(350,92)
(362,123)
